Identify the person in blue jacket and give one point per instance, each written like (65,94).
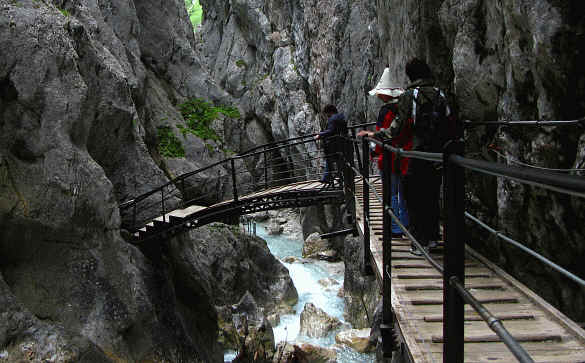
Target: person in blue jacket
(332,138)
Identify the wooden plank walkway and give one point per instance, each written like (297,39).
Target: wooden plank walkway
(417,297)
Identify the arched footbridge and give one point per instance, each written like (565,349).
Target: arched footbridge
(450,304)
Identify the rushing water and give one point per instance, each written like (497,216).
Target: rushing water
(306,278)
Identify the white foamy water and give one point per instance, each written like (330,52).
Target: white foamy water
(306,278)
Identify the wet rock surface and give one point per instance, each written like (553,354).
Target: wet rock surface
(361,291)
(251,333)
(317,323)
(320,249)
(304,353)
(228,263)
(358,339)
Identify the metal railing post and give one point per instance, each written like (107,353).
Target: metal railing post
(454,255)
(367,263)
(349,186)
(357,149)
(387,325)
(234,181)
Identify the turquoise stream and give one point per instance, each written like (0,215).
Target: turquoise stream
(306,278)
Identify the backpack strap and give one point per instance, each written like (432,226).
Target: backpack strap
(447,108)
(414,97)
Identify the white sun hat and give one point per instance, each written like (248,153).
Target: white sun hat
(385,87)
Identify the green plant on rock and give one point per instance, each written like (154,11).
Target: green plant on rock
(65,12)
(195,11)
(200,114)
(168,144)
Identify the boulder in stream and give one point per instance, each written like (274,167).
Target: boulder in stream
(304,353)
(357,339)
(317,248)
(317,323)
(250,332)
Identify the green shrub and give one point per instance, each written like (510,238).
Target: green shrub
(168,144)
(195,11)
(199,114)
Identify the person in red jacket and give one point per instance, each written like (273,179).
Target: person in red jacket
(389,94)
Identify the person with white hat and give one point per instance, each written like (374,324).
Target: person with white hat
(389,94)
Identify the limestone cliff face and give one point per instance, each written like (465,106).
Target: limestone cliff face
(83,87)
(284,60)
(514,60)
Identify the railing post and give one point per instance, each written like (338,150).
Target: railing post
(387,326)
(349,184)
(367,263)
(357,149)
(454,255)
(234,181)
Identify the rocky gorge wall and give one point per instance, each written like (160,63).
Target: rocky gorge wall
(515,60)
(84,86)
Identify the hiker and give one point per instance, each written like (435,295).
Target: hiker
(422,108)
(332,138)
(389,94)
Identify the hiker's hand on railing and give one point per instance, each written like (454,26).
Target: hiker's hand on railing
(317,137)
(365,133)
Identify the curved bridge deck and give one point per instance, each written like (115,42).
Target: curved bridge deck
(417,303)
(296,195)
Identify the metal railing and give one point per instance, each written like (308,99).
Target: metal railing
(454,292)
(279,163)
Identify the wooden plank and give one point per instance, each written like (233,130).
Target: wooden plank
(487,300)
(574,328)
(499,353)
(494,338)
(428,275)
(488,286)
(437,318)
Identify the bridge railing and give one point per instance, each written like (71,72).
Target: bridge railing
(279,163)
(454,292)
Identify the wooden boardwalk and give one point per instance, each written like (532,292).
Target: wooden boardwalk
(417,297)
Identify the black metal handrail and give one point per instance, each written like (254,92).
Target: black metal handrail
(288,161)
(455,294)
(527,250)
(469,123)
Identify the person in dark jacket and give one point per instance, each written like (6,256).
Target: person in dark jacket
(332,141)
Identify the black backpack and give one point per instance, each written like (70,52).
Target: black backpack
(432,120)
